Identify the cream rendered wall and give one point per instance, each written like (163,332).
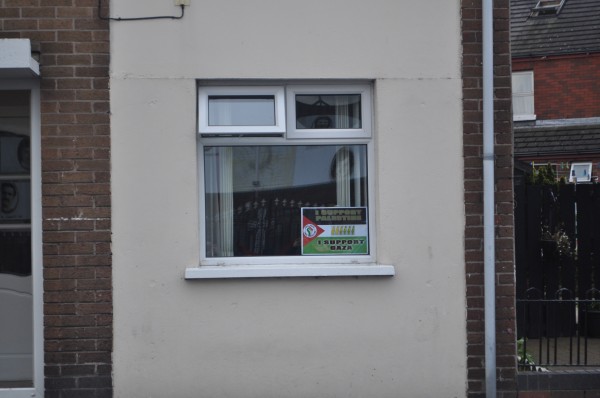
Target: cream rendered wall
(328,337)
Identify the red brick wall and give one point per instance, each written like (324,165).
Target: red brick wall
(74,58)
(565,87)
(473,173)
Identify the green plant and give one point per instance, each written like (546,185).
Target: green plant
(560,237)
(543,175)
(525,359)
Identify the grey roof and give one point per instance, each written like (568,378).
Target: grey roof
(557,140)
(575,30)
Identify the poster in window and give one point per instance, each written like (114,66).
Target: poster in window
(335,231)
(14,201)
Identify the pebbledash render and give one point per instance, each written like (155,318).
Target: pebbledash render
(243,199)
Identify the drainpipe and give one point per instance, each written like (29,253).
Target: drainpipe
(488,197)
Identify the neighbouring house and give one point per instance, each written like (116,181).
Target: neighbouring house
(555,47)
(245,199)
(555,51)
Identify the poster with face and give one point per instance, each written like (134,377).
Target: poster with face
(14,200)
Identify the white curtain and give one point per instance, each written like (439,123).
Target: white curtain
(343,174)
(357,172)
(341,112)
(219,201)
(220,113)
(343,105)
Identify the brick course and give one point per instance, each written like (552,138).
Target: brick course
(74,57)
(473,185)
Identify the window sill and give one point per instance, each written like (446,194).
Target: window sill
(524,118)
(272,271)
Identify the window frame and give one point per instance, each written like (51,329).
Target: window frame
(587,165)
(530,95)
(204,92)
(296,265)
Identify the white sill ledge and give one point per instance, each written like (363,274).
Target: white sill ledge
(272,271)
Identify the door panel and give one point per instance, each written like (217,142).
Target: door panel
(16,356)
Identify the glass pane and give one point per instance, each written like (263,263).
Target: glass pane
(241,110)
(254,194)
(522,83)
(523,105)
(16,304)
(335,111)
(581,172)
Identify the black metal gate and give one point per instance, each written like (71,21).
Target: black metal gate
(557,253)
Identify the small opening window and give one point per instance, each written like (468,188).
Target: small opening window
(580,172)
(547,8)
(241,110)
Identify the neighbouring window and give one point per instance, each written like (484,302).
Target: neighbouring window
(547,8)
(297,193)
(580,172)
(523,96)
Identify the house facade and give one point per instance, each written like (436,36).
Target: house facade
(244,200)
(556,64)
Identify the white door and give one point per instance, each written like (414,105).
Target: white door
(16,299)
(21,344)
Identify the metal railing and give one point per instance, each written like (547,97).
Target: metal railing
(561,331)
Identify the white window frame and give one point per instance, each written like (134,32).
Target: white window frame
(291,266)
(206,91)
(530,95)
(366,110)
(587,165)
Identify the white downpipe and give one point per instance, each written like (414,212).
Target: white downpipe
(488,198)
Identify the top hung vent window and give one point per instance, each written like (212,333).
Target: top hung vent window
(580,172)
(547,8)
(242,110)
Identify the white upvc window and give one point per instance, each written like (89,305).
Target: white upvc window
(297,202)
(523,96)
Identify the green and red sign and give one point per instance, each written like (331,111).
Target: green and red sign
(335,231)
